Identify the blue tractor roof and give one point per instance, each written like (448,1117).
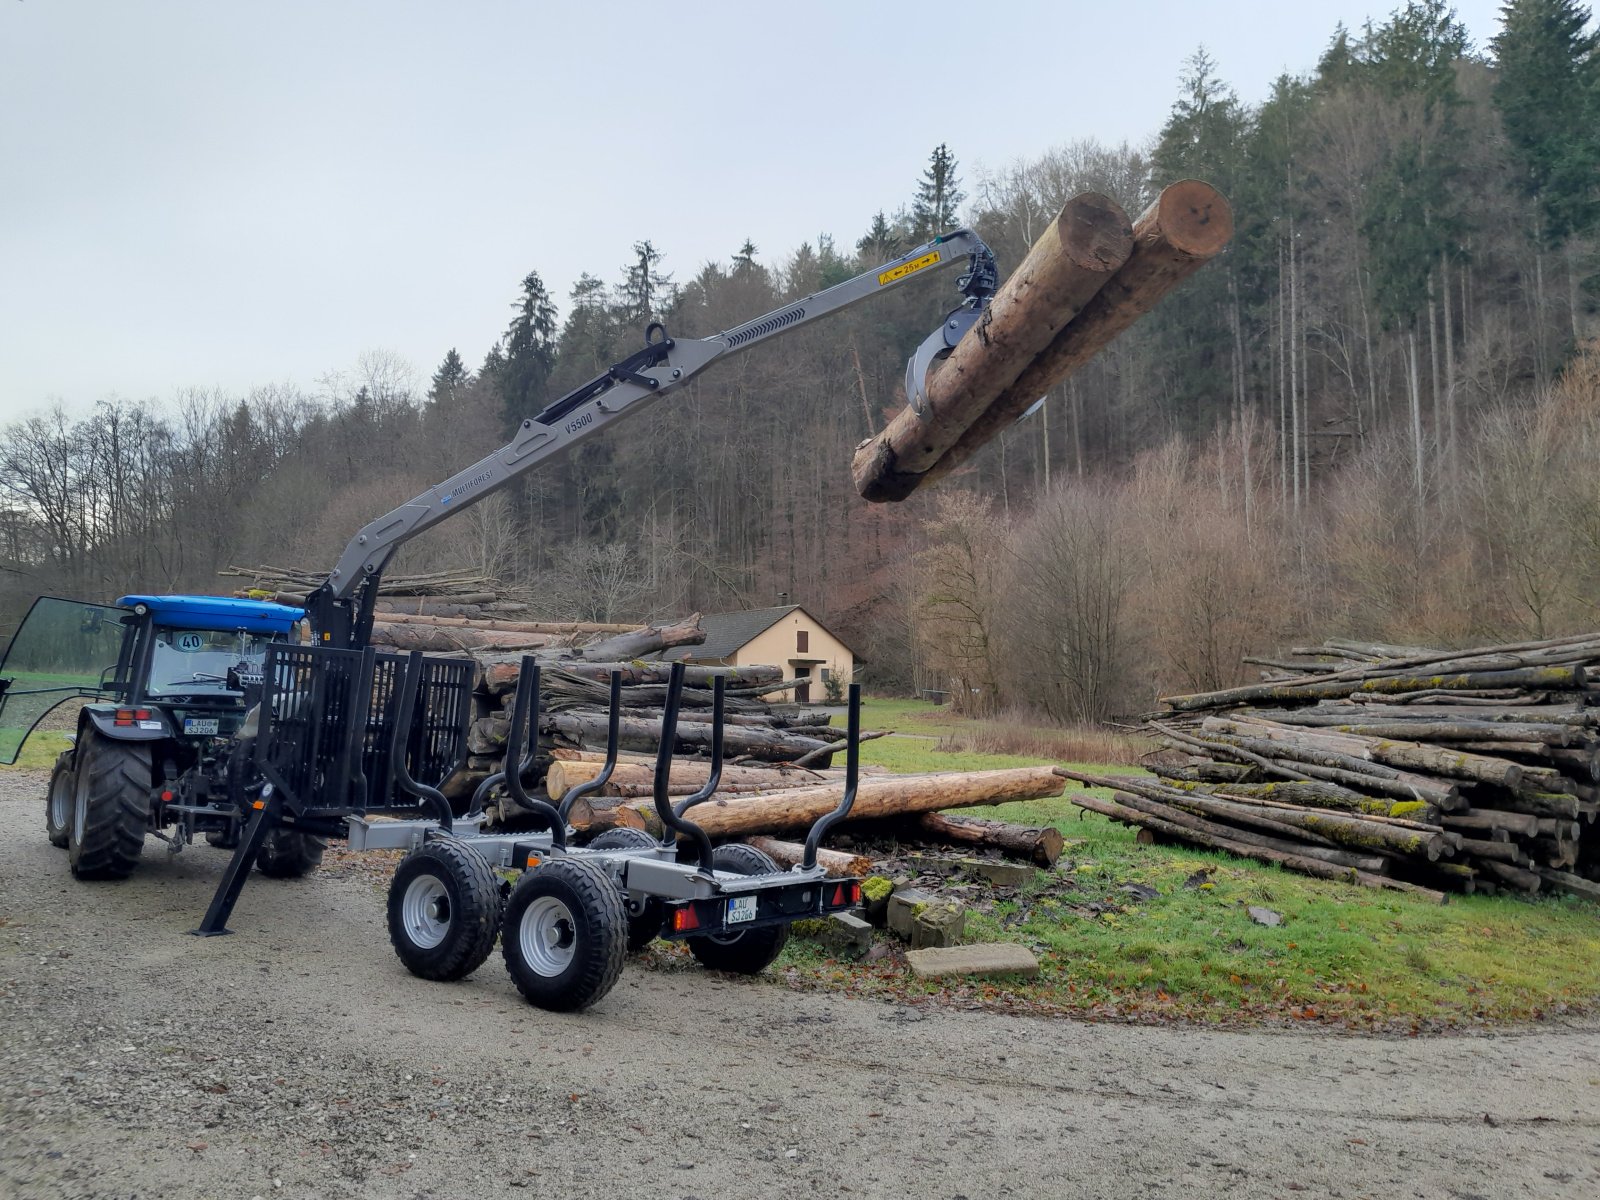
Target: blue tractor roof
(216,612)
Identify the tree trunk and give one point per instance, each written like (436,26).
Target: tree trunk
(1071,260)
(688,775)
(1039,845)
(834,863)
(876,799)
(1189,224)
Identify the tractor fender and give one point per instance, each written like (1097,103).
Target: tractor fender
(153,728)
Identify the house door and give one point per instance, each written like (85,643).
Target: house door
(802,685)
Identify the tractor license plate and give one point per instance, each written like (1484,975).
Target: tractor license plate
(741,908)
(200,725)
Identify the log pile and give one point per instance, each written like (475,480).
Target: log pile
(1394,766)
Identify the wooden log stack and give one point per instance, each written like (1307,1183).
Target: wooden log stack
(1465,770)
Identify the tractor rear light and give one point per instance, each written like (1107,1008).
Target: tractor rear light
(141,714)
(124,717)
(166,796)
(684,919)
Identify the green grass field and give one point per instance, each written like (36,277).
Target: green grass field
(1342,953)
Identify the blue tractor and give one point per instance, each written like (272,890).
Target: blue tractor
(162,746)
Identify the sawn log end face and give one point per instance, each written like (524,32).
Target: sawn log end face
(1095,232)
(1194,218)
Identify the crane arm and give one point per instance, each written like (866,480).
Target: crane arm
(341,608)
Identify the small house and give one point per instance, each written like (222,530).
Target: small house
(787,637)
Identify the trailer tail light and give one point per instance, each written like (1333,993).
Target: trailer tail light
(166,796)
(684,919)
(845,895)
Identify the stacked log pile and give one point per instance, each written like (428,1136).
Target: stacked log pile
(1395,766)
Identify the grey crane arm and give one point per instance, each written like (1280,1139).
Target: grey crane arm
(341,608)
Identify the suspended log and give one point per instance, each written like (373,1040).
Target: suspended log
(1072,259)
(1189,224)
(876,799)
(1040,845)
(399,636)
(834,863)
(494,625)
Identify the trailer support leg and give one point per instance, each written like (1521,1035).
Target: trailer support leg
(262,822)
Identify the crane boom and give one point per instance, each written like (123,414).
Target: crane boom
(341,608)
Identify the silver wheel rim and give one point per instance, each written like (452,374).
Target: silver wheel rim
(425,911)
(61,800)
(548,936)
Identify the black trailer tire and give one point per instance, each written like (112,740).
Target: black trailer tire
(110,806)
(288,854)
(646,926)
(565,934)
(750,951)
(58,802)
(444,910)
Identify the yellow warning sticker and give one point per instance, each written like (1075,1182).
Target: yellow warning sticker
(908,268)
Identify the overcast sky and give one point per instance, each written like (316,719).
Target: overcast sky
(225,194)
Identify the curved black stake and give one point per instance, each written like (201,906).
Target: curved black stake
(671,822)
(525,727)
(852,763)
(715,778)
(613,736)
(405,707)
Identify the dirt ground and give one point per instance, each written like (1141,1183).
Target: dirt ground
(299,1059)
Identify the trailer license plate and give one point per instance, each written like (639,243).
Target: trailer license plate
(741,908)
(200,725)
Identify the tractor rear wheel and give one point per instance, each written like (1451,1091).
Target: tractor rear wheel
(287,854)
(750,951)
(58,802)
(110,806)
(565,934)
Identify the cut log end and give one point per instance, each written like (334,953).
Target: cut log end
(1193,218)
(1094,232)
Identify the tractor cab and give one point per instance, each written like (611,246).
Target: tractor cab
(161,665)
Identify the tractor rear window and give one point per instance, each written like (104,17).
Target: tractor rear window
(197,662)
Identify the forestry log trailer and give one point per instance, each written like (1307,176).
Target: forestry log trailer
(206,719)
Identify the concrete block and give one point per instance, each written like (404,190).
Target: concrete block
(938,925)
(846,935)
(983,958)
(903,905)
(1001,874)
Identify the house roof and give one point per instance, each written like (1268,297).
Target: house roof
(727,632)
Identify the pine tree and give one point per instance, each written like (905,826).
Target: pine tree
(530,351)
(645,291)
(449,380)
(1548,94)
(880,242)
(939,196)
(745,260)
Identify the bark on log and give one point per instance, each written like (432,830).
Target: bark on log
(495,625)
(687,775)
(876,799)
(644,735)
(1564,678)
(1521,824)
(1345,831)
(1575,884)
(1519,878)
(834,863)
(1073,259)
(645,641)
(401,636)
(1294,862)
(1288,844)
(1189,224)
(1038,845)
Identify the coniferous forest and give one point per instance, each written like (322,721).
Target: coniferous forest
(1377,415)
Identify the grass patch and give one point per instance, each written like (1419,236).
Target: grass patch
(1343,954)
(40,750)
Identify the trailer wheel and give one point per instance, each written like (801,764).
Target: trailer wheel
(288,854)
(58,802)
(110,807)
(646,926)
(565,934)
(444,910)
(750,951)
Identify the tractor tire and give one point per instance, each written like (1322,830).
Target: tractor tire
(750,951)
(646,926)
(565,934)
(287,854)
(58,802)
(110,806)
(444,910)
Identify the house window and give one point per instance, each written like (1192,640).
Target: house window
(802,672)
(802,641)
(824,675)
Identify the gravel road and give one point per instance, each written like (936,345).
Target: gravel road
(299,1059)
